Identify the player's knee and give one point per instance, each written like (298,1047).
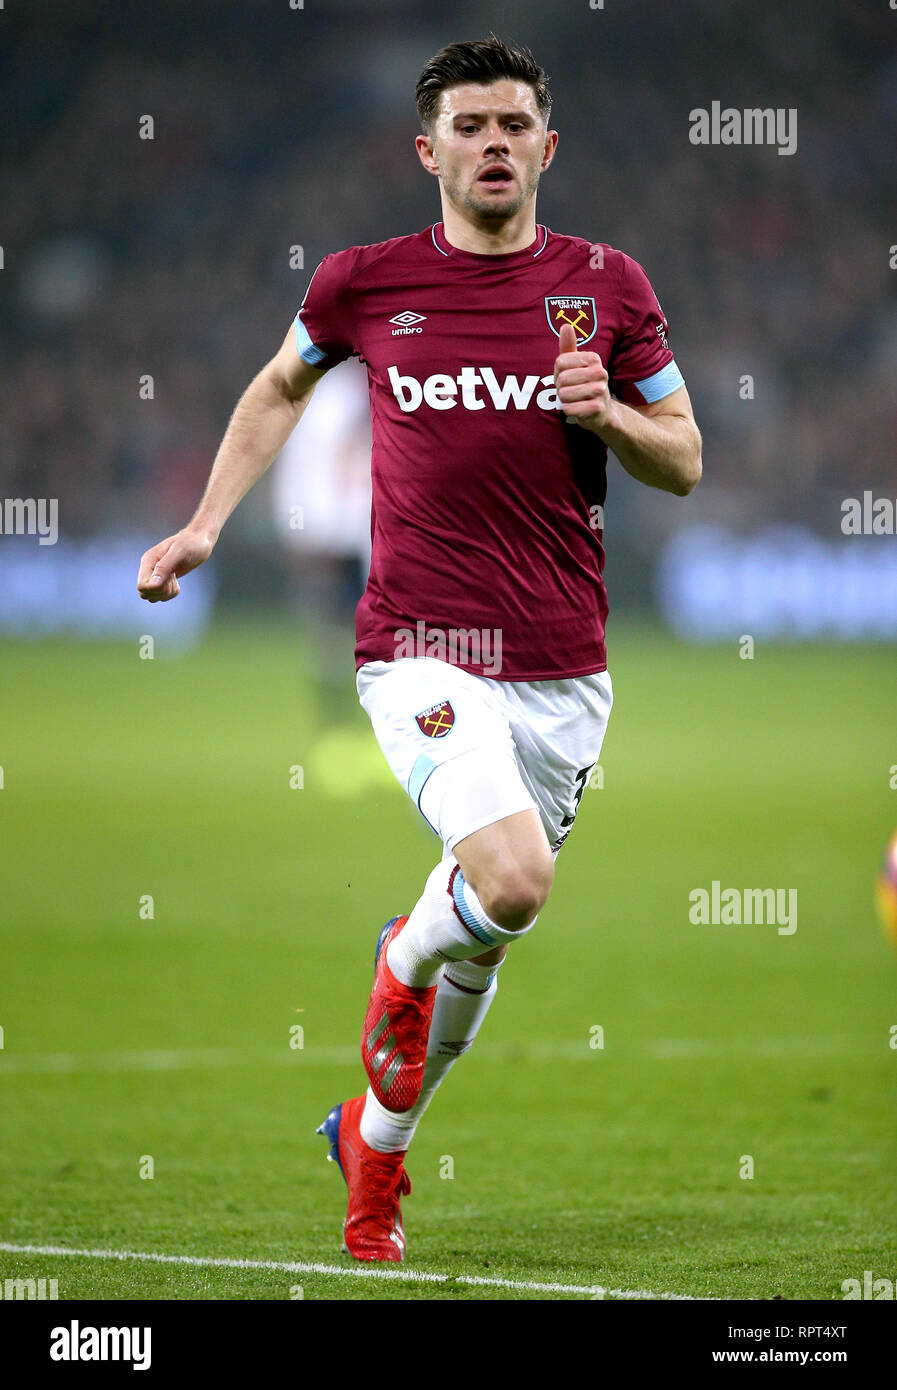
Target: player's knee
(512,897)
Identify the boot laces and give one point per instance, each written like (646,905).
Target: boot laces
(384,1185)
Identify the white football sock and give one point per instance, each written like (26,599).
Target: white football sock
(465,992)
(447,923)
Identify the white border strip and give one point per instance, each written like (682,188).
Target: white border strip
(411,1276)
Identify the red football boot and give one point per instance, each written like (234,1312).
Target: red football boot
(373,1226)
(395,1032)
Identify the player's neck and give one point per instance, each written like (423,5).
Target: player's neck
(489,239)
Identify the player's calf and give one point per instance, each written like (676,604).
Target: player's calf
(448,925)
(396,1028)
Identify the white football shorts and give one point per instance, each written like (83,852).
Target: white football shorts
(470,750)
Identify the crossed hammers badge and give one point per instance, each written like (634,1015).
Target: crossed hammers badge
(578,310)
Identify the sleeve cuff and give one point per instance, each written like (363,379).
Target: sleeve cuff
(661,383)
(304,345)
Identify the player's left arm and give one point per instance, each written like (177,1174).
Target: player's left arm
(659,444)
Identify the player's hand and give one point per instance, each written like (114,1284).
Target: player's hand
(163,565)
(582,384)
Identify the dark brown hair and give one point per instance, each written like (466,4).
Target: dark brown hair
(482,61)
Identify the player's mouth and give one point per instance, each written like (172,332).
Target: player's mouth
(497,176)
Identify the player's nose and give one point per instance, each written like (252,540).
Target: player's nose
(496,141)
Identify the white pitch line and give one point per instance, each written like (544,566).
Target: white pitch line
(757,1049)
(345,1055)
(175,1059)
(413,1276)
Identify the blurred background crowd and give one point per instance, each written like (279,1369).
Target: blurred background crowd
(173,258)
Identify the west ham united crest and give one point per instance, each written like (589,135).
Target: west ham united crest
(436,721)
(575,309)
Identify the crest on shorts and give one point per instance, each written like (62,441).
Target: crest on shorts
(577,310)
(436,721)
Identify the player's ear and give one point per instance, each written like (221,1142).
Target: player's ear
(426,153)
(551,144)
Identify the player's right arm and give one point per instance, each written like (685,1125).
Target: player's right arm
(265,417)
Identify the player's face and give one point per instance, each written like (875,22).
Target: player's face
(490,145)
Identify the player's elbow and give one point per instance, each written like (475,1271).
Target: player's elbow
(689,474)
(688,481)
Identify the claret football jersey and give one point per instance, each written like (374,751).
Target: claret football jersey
(487,506)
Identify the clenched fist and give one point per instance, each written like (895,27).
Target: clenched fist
(582,384)
(163,565)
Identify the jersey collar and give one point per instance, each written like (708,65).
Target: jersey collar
(528,253)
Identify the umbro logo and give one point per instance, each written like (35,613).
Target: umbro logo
(406,322)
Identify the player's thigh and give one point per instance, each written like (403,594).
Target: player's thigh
(558,729)
(447,740)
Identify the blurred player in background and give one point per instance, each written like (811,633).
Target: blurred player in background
(503,361)
(321,509)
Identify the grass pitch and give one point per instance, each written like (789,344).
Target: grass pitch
(129,1037)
